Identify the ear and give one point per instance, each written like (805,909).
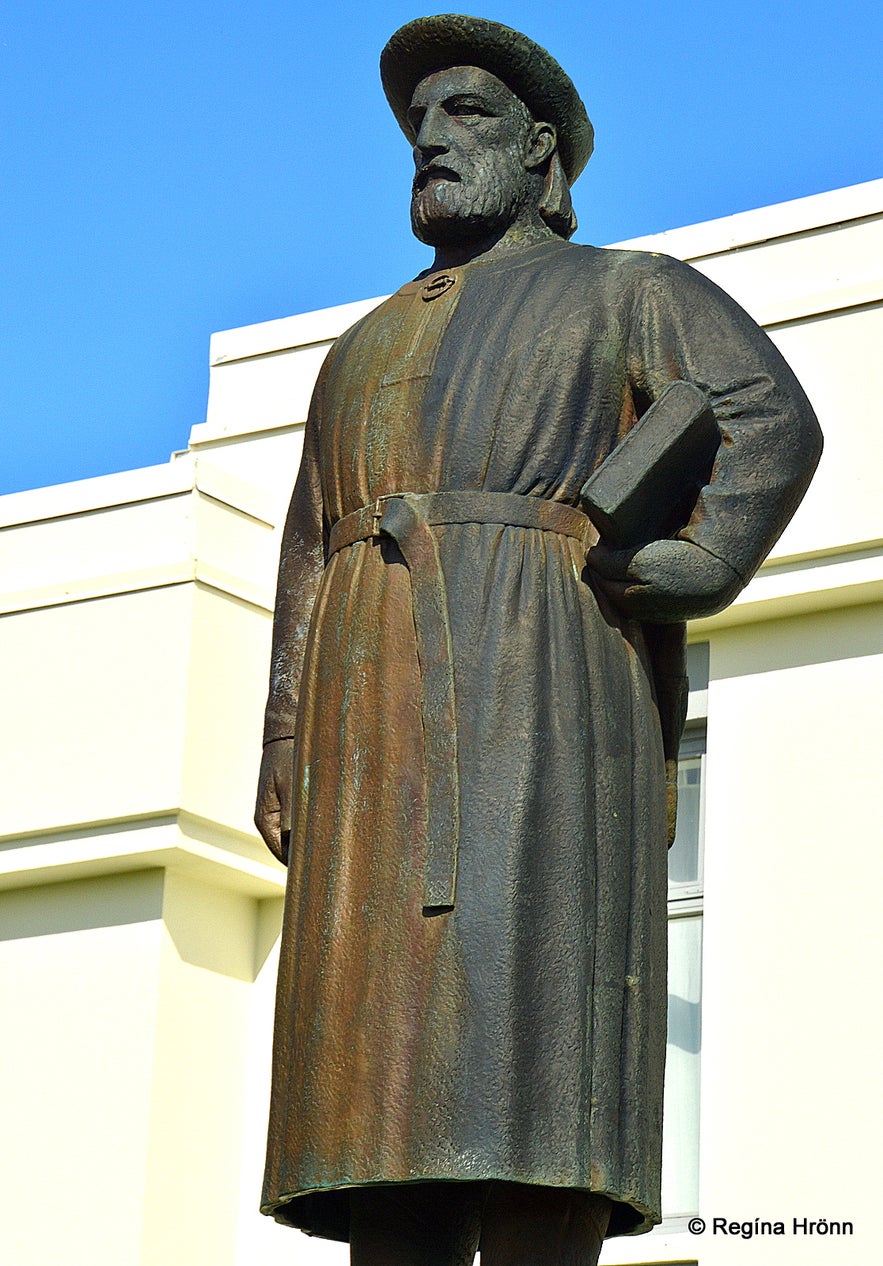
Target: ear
(555,206)
(541,145)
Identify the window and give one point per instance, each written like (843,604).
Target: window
(680,1154)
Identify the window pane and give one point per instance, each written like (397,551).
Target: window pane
(683,860)
(680,1140)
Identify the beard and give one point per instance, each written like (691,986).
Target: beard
(454,212)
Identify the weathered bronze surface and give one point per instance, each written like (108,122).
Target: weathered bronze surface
(474,706)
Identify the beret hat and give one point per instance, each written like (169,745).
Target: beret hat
(429,44)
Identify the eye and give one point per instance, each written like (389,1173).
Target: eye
(460,108)
(415,118)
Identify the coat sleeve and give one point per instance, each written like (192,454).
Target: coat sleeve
(684,326)
(301,564)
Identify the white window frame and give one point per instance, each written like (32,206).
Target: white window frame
(685,900)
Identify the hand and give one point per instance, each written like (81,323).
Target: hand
(272,815)
(665,581)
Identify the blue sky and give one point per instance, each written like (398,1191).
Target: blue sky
(177,168)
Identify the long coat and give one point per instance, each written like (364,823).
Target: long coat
(519,1035)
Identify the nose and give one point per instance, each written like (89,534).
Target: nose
(432,139)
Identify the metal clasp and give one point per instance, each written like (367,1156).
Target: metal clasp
(438,285)
(377,516)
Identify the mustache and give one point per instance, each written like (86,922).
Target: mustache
(430,171)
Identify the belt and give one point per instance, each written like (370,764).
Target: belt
(407,517)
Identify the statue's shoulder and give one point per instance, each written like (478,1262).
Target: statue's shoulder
(616,279)
(629,267)
(367,325)
(353,331)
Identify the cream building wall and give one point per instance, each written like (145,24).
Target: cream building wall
(140,913)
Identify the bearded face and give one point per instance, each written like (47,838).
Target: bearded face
(471,136)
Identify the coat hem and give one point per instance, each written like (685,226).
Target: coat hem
(324,1211)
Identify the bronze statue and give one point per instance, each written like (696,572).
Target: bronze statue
(474,705)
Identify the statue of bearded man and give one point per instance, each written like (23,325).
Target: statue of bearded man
(475,707)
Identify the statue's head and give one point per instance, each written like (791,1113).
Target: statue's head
(499,131)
